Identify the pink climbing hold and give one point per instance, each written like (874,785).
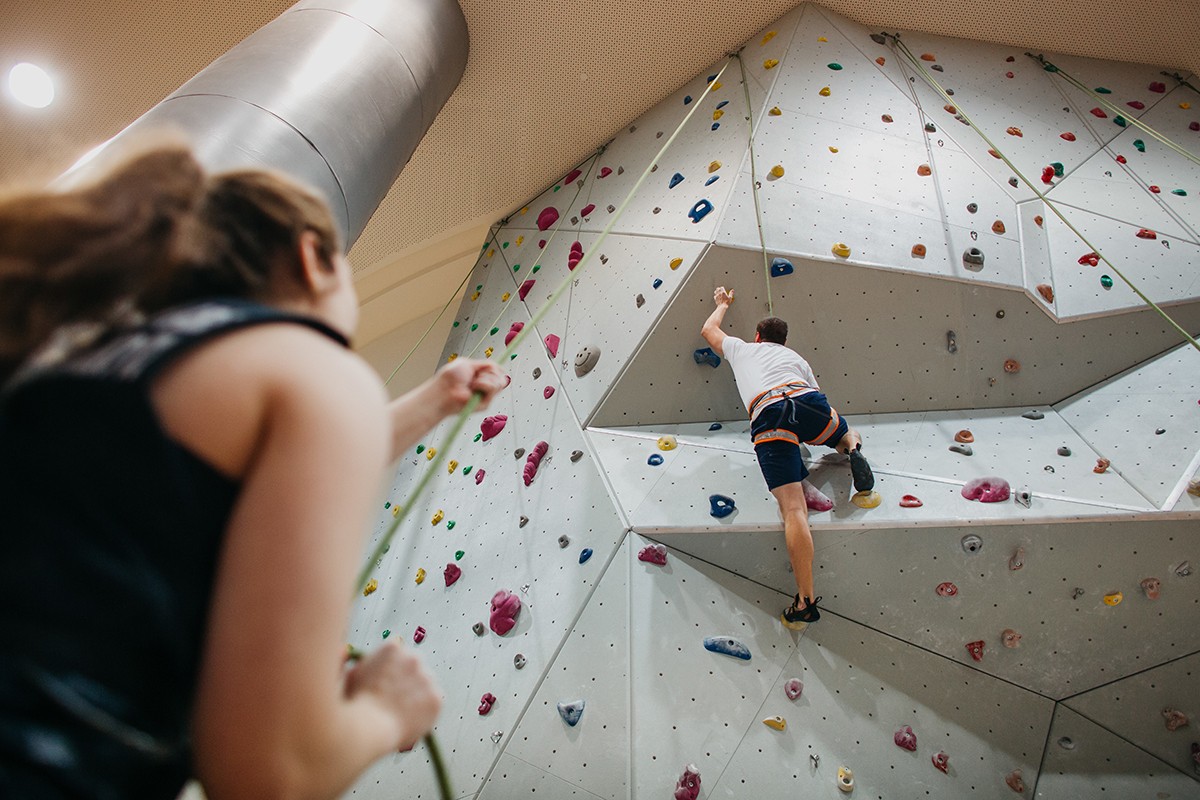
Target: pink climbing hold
(1136,104)
(587,210)
(946,589)
(1157,87)
(513,330)
(688,785)
(1194,126)
(941,761)
(987,490)
(505,608)
(815,499)
(533,460)
(605,172)
(548,392)
(523,291)
(571,176)
(479,476)
(910,501)
(452,574)
(491,426)
(906,739)
(1099,112)
(486,702)
(548,217)
(976,650)
(1174,719)
(653,554)
(419,635)
(541,244)
(575,256)
(552,344)
(793,688)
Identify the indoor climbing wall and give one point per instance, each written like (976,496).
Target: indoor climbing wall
(595,570)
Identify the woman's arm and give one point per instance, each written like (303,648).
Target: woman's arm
(415,412)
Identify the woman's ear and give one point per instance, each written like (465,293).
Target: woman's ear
(319,275)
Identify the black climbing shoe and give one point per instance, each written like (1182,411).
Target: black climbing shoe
(796,618)
(864,480)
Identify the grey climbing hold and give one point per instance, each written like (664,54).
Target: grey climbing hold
(965,449)
(1066,743)
(951,342)
(519,661)
(877,38)
(705,355)
(973,259)
(571,711)
(727,645)
(478,628)
(972,207)
(497,736)
(1033,415)
(564,540)
(1077,593)
(1023,498)
(938,68)
(576,455)
(586,359)
(1013,182)
(524,520)
(520,451)
(1064,451)
(930,127)
(537,373)
(1184,569)
(640,300)
(1159,431)
(971,543)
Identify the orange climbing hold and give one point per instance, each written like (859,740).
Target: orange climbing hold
(1015,131)
(918,251)
(998,227)
(994,153)
(1102,465)
(964,436)
(924,171)
(950,109)
(1012,366)
(1046,291)
(928,57)
(777,171)
(881,61)
(1038,219)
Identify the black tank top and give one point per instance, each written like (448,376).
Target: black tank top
(109,542)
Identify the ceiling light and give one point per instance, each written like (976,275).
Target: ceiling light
(30,85)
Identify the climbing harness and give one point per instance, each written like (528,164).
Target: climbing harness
(962,114)
(762,242)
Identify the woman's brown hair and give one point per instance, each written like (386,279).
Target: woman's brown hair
(152,232)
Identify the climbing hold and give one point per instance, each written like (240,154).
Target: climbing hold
(793,687)
(887,118)
(964,436)
(576,455)
(587,210)
(1151,587)
(1113,598)
(1014,781)
(675,264)
(1157,87)
(486,702)
(1145,233)
(688,785)
(834,66)
(946,589)
(491,426)
(1102,464)
(430,453)
(998,227)
(973,259)
(772,63)
(438,516)
(924,170)
(534,459)
(964,449)
(1068,136)
(586,359)
(450,524)
(949,109)
(705,355)
(451,466)
(776,723)
(640,300)
(1034,415)
(478,628)
(1046,291)
(824,92)
(815,499)
(458,554)
(551,342)
(781,267)
(387,632)
(420,576)
(584,555)
(667,442)
(1010,638)
(840,250)
(727,645)
(976,651)
(910,501)
(1139,145)
(522,521)
(1023,498)
(1012,366)
(419,635)
(479,476)
(1064,451)
(845,779)
(987,490)
(918,251)
(1015,131)
(676,179)
(867,499)
(1119,121)
(1089,259)
(1180,192)
(1018,559)
(700,210)
(906,739)
(1155,189)
(514,329)
(1184,569)
(720,505)
(506,606)
(928,57)
(451,574)
(1106,281)
(488,353)
(574,256)
(547,218)
(716,426)
(995,154)
(653,554)
(776,171)
(548,392)
(1099,113)
(496,735)
(371,586)
(1174,719)
(564,540)
(571,711)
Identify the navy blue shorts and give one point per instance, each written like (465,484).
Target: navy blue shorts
(781,427)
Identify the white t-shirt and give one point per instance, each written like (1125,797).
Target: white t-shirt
(759,366)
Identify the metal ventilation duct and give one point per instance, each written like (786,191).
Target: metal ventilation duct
(336,93)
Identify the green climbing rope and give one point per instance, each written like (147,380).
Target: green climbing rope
(762,241)
(916,62)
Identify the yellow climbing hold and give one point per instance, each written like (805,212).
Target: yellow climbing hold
(771,63)
(832,149)
(776,723)
(822,39)
(1185,106)
(488,353)
(520,240)
(504,297)
(525,209)
(869,499)
(420,576)
(491,252)
(770,35)
(667,443)
(430,453)
(716,85)
(714,166)
(1113,599)
(395,511)
(453,465)
(840,249)
(845,779)
(439,516)
(718,114)
(824,92)
(371,586)
(676,262)
(775,111)
(777,171)
(475,296)
(452,357)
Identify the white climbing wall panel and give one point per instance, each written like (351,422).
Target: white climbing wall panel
(913,349)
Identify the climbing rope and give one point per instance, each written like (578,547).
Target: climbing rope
(903,49)
(1114,108)
(762,241)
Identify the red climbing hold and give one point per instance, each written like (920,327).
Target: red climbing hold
(1136,104)
(1009,75)
(491,426)
(653,554)
(605,172)
(910,501)
(479,476)
(1090,259)
(523,291)
(1146,233)
(1157,87)
(1015,782)
(946,589)
(906,739)
(1068,136)
(452,574)
(1046,291)
(987,490)
(486,702)
(815,499)
(1155,189)
(1122,160)
(976,651)
(1099,112)
(548,217)
(575,256)
(571,176)
(552,344)
(688,785)
(587,210)
(513,330)
(1048,175)
(505,608)
(548,392)
(533,460)
(941,760)
(1194,126)
(419,635)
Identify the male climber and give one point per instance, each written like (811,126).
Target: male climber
(786,408)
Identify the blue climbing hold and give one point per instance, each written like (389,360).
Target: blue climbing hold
(711,180)
(700,210)
(716,125)
(711,78)
(722,506)
(781,267)
(676,179)
(654,460)
(722,104)
(572,711)
(705,355)
(585,555)
(657,283)
(726,645)
(687,99)
(716,426)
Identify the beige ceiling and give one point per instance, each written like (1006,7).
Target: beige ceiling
(546,84)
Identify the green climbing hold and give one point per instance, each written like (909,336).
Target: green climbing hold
(1102,90)
(536,267)
(478,436)
(455,324)
(387,632)
(504,245)
(514,355)
(516,267)
(494,331)
(1140,145)
(475,326)
(1180,192)
(467,469)
(835,66)
(1119,120)
(450,524)
(387,504)
(1059,169)
(420,449)
(1050,68)
(458,554)
(556,188)
(1106,282)
(479,288)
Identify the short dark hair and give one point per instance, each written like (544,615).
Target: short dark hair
(773,329)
